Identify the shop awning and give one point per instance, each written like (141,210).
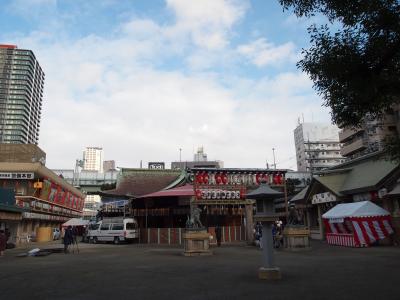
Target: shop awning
(182,191)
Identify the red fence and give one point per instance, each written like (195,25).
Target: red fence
(174,236)
(341,239)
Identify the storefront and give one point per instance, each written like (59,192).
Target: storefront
(42,198)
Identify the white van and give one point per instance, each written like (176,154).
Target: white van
(113,230)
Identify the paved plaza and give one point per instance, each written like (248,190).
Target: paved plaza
(145,272)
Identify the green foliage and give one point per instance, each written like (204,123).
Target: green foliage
(356,68)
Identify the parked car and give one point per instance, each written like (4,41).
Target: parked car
(56,233)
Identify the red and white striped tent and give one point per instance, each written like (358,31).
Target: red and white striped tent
(357,224)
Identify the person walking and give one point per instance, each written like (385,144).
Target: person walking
(68,238)
(218,233)
(3,242)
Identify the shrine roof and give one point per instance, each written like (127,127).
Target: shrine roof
(138,182)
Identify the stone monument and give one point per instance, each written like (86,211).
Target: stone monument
(296,236)
(264,196)
(196,238)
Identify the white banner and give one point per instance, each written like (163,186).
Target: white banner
(13,175)
(323,198)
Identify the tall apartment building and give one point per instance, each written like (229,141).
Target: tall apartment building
(370,136)
(93,159)
(317,146)
(21,93)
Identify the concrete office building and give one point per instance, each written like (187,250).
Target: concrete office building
(317,146)
(21,93)
(109,165)
(93,159)
(199,161)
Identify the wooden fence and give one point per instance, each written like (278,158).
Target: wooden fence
(174,236)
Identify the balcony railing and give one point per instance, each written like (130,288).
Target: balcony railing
(346,133)
(353,147)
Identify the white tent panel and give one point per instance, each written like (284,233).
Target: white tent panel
(356,209)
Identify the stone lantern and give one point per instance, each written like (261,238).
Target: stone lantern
(265,196)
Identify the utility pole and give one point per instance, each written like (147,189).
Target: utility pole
(273,153)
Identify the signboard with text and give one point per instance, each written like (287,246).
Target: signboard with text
(16,175)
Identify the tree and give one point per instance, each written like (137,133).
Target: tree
(354,59)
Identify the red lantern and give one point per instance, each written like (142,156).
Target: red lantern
(276,179)
(266,178)
(205,178)
(218,178)
(199,179)
(242,193)
(282,179)
(258,178)
(224,178)
(198,194)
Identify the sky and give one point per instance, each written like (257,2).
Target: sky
(143,79)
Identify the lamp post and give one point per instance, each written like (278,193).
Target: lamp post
(264,196)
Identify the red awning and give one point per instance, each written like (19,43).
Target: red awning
(186,190)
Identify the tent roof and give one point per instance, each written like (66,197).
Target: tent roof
(76,222)
(264,191)
(356,209)
(186,190)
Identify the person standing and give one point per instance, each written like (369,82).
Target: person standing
(3,242)
(218,233)
(68,238)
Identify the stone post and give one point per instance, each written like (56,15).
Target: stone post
(267,246)
(249,222)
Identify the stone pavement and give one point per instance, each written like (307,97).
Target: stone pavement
(145,272)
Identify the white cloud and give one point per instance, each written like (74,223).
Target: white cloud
(208,21)
(111,92)
(261,53)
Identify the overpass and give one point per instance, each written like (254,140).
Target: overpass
(89,182)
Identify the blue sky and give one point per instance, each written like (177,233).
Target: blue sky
(144,78)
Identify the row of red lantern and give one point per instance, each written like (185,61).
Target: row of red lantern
(223,178)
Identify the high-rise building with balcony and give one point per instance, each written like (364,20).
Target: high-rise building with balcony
(317,146)
(21,93)
(370,136)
